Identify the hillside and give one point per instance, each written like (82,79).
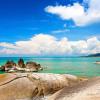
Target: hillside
(94,55)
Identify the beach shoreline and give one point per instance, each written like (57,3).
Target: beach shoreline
(78,66)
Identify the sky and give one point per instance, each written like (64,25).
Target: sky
(49,27)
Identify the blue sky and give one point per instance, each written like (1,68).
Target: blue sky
(21,20)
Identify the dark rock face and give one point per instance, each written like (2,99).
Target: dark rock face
(9,65)
(21,63)
(2,68)
(33,65)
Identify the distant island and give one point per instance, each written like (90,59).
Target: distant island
(92,55)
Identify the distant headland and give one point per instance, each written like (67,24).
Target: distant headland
(92,55)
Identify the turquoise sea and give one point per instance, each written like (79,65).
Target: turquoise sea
(82,66)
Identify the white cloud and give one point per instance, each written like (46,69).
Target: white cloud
(77,12)
(43,44)
(60,31)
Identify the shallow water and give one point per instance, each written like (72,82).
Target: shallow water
(82,66)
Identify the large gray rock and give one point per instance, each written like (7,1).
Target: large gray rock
(9,65)
(32,86)
(89,90)
(97,62)
(33,66)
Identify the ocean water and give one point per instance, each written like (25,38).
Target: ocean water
(81,66)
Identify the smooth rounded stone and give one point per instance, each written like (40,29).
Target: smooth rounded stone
(6,78)
(97,62)
(31,86)
(33,66)
(89,90)
(47,83)
(17,89)
(41,98)
(71,77)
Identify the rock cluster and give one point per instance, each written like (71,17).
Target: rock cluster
(11,66)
